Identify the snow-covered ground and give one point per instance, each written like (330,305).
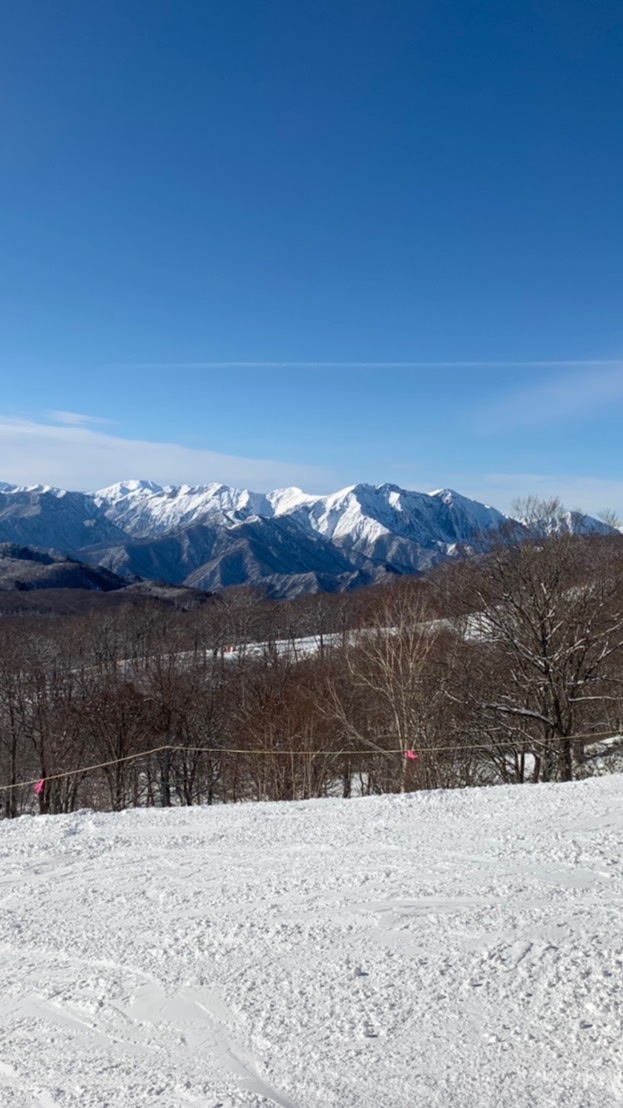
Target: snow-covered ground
(437,950)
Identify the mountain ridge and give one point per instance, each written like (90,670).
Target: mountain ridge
(286,541)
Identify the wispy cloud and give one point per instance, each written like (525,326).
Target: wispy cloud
(75,419)
(72,455)
(77,456)
(372,365)
(571,397)
(586,494)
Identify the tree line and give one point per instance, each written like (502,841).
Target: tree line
(502,668)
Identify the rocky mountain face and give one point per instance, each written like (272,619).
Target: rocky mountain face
(286,541)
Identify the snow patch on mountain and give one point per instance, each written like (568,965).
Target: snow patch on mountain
(144,508)
(358,512)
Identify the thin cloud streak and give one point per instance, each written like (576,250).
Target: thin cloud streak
(75,419)
(374,365)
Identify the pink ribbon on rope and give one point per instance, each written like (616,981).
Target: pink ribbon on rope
(411,755)
(39,786)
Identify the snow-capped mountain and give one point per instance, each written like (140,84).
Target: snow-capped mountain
(143,508)
(288,541)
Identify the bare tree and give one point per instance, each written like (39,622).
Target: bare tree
(546,624)
(381,704)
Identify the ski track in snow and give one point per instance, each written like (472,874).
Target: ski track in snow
(437,950)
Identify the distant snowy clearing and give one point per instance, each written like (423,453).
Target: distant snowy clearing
(437,950)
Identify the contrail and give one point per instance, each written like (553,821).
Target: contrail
(586,363)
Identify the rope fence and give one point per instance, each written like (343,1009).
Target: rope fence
(491,748)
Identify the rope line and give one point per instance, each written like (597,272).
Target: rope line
(491,748)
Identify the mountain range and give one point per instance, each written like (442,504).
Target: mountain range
(287,542)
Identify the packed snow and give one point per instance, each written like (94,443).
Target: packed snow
(432,950)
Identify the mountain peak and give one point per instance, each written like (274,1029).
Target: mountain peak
(447,495)
(216,535)
(127,488)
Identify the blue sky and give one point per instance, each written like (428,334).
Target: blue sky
(272,242)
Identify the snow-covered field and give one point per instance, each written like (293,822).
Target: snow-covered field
(460,949)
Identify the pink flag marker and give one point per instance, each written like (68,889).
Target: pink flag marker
(411,755)
(39,786)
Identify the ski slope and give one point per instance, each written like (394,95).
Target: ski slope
(436,950)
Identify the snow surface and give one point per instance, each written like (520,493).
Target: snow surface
(447,950)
